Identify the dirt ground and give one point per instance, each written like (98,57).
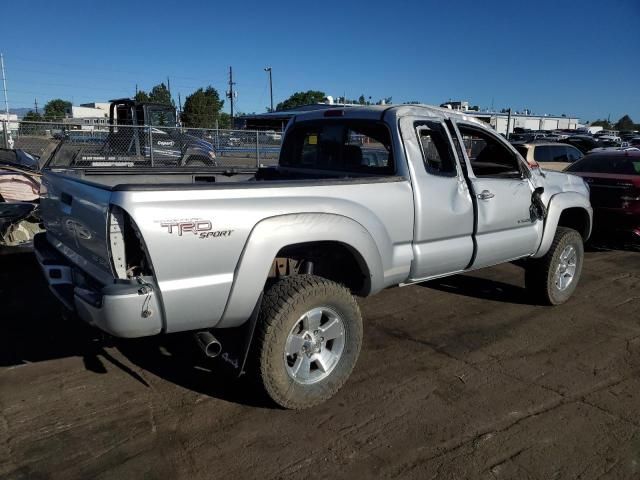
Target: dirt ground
(458,378)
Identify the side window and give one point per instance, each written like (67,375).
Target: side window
(542,153)
(436,150)
(559,153)
(488,156)
(573,154)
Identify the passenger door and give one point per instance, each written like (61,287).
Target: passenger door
(506,225)
(443,226)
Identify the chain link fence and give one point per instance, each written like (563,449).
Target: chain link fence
(141,146)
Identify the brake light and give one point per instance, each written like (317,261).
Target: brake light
(334,113)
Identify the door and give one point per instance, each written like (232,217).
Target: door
(507,227)
(443,223)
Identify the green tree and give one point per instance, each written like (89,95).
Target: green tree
(160,94)
(142,96)
(202,109)
(301,98)
(601,123)
(31,128)
(32,116)
(224,120)
(625,123)
(56,109)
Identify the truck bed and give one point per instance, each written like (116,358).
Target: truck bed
(151,179)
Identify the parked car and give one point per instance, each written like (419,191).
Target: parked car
(282,251)
(584,143)
(614,180)
(550,156)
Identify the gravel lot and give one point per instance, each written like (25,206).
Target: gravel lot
(458,378)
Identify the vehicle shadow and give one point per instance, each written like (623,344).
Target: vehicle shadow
(35,328)
(482,288)
(177,359)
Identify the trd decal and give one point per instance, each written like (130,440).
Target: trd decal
(201,228)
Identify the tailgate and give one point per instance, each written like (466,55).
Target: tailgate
(75,215)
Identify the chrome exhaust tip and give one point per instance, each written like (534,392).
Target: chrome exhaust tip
(208,343)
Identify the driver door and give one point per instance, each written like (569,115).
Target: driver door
(506,227)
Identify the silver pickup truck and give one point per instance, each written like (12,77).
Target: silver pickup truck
(264,265)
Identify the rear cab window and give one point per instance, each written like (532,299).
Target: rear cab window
(437,152)
(342,145)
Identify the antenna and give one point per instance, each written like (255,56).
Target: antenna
(35,103)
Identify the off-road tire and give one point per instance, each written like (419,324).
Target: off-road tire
(283,304)
(539,276)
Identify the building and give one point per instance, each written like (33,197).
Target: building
(11,122)
(523,119)
(86,118)
(498,121)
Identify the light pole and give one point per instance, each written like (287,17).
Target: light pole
(268,69)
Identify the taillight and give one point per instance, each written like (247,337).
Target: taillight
(129,256)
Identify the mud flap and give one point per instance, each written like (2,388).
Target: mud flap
(236,343)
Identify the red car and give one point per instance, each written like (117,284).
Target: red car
(614,180)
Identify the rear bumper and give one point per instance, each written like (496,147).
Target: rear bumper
(126,308)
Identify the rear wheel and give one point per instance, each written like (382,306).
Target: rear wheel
(310,333)
(553,278)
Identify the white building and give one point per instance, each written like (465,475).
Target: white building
(11,122)
(524,119)
(528,122)
(87,118)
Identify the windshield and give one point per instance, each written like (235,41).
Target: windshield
(162,118)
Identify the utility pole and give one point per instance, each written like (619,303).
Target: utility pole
(168,85)
(4,86)
(268,69)
(508,122)
(231,93)
(179,109)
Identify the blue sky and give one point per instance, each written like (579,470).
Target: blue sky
(579,58)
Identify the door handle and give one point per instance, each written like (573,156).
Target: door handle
(485,195)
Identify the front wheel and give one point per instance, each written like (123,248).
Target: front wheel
(553,278)
(310,333)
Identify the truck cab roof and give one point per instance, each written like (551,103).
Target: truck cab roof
(390,112)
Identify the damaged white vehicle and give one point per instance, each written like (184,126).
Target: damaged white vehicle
(265,264)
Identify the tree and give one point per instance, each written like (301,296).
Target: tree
(601,123)
(625,123)
(31,128)
(160,94)
(301,98)
(142,96)
(32,116)
(56,109)
(202,108)
(224,120)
